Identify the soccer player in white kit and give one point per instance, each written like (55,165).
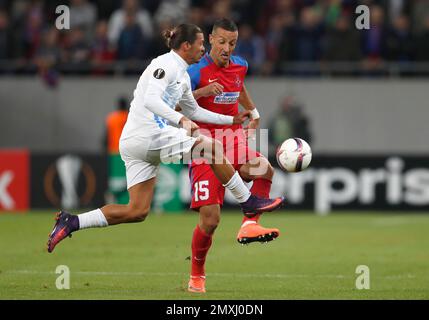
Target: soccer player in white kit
(147,139)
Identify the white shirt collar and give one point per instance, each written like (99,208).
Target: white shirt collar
(182,62)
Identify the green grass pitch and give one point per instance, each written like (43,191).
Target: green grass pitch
(314,258)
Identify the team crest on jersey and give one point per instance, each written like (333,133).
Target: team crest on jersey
(227,98)
(159,73)
(237,80)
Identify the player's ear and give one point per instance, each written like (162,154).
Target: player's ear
(186,45)
(211,39)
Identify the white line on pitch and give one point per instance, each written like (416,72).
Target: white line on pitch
(237,275)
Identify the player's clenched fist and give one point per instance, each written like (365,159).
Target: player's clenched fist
(250,130)
(241,117)
(188,125)
(213,89)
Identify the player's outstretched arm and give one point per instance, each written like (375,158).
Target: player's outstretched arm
(206,116)
(156,105)
(193,111)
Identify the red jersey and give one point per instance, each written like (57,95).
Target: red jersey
(206,188)
(231,78)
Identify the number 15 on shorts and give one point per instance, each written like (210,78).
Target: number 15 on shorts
(201,190)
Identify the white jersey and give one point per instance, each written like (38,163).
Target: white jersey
(164,84)
(147,138)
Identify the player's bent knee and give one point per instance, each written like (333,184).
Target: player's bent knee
(204,141)
(141,216)
(209,228)
(266,170)
(270,171)
(203,148)
(210,225)
(138,214)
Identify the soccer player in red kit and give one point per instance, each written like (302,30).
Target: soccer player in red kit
(218,85)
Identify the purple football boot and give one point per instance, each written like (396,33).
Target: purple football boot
(65,225)
(255,205)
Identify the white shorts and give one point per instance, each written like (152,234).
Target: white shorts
(142,155)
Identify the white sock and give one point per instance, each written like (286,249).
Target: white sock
(92,219)
(238,188)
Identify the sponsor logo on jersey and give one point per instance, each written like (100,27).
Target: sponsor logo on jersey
(227,98)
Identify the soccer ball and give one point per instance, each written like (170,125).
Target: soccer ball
(294,155)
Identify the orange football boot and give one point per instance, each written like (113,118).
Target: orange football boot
(251,231)
(197,284)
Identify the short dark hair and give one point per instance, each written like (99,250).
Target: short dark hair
(184,32)
(226,24)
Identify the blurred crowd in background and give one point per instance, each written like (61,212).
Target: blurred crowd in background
(272,33)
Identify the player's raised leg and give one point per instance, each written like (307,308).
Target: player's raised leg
(136,210)
(260,171)
(230,179)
